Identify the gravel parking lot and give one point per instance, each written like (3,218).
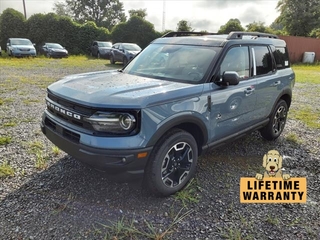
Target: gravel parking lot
(52,196)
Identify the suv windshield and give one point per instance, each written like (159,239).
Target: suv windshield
(104,44)
(131,47)
(181,63)
(54,45)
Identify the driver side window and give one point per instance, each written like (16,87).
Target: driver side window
(237,60)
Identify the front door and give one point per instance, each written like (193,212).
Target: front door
(233,106)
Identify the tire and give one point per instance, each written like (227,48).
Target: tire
(277,122)
(172,163)
(125,61)
(112,59)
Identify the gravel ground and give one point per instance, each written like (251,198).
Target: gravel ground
(52,196)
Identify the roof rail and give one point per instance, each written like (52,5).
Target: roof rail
(184,34)
(239,35)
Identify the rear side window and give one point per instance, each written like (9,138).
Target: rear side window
(281,57)
(263,60)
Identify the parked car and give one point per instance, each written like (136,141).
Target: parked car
(100,49)
(20,47)
(182,95)
(123,52)
(54,50)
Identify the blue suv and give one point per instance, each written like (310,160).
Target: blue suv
(182,95)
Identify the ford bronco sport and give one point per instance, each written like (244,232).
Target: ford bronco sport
(183,94)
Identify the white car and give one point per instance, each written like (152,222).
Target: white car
(20,47)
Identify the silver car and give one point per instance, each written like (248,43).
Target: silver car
(123,52)
(20,47)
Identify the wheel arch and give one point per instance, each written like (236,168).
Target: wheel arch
(189,123)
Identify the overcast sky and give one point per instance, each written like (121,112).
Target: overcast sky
(201,14)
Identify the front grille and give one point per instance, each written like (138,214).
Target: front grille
(72,106)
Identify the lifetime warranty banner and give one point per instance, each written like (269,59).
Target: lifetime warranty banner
(273,190)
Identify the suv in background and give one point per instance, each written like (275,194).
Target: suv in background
(100,49)
(123,52)
(20,47)
(182,95)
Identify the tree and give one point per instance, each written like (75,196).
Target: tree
(105,13)
(233,24)
(258,27)
(184,26)
(12,24)
(62,9)
(138,12)
(298,17)
(135,30)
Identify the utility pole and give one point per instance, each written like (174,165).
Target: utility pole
(24,8)
(164,16)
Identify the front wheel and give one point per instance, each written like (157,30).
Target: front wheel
(172,163)
(277,122)
(125,61)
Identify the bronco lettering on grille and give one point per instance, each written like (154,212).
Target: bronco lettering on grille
(63,111)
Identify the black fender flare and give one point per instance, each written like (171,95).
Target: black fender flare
(180,119)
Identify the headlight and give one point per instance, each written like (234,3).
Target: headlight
(117,123)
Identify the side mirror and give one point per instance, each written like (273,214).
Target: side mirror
(7,44)
(230,78)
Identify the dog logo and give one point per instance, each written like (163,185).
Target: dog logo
(272,162)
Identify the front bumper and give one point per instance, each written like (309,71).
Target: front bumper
(113,161)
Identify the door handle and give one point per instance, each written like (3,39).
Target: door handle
(248,91)
(275,83)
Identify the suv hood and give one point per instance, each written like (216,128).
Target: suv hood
(114,89)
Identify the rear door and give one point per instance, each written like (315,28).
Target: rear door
(269,80)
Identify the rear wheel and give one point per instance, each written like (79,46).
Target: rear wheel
(172,163)
(112,59)
(277,122)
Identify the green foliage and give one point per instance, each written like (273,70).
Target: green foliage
(184,26)
(41,28)
(232,25)
(5,140)
(6,170)
(105,13)
(12,24)
(138,12)
(136,30)
(315,33)
(298,17)
(258,27)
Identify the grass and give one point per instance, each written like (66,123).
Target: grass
(41,162)
(130,229)
(188,195)
(6,170)
(307,115)
(293,138)
(307,73)
(9,124)
(309,76)
(55,150)
(5,140)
